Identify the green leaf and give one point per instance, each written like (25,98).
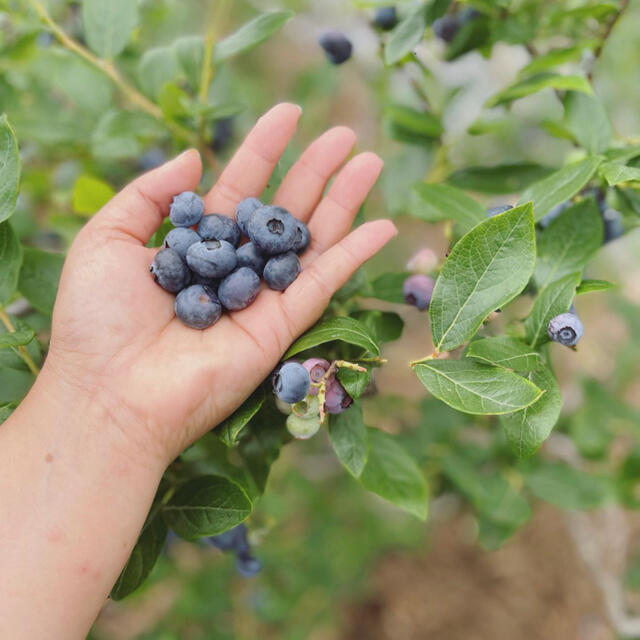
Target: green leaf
(586,118)
(354,382)
(486,269)
(536,83)
(554,299)
(230,429)
(560,186)
(590,286)
(5,412)
(444,202)
(505,351)
(206,506)
(157,67)
(251,34)
(349,439)
(341,328)
(387,287)
(10,358)
(405,36)
(9,169)
(10,262)
(189,52)
(385,326)
(598,10)
(16,338)
(568,488)
(14,385)
(615,173)
(506,178)
(569,242)
(90,195)
(473,387)
(473,34)
(527,429)
(555,57)
(143,557)
(394,475)
(39,276)
(412,126)
(108,25)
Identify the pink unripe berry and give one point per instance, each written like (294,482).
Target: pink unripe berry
(424,261)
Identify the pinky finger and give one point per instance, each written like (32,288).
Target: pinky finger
(308,296)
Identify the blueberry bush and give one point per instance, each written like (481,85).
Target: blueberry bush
(94,92)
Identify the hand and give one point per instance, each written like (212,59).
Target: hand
(115,339)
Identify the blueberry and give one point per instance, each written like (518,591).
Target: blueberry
(212,258)
(239,289)
(336,45)
(248,566)
(554,212)
(180,239)
(417,291)
(303,428)
(151,159)
(566,329)
(447,27)
(280,271)
(244,211)
(303,237)
(272,230)
(198,306)
(249,256)
(222,134)
(613,225)
(386,18)
(232,540)
(307,408)
(317,368)
(337,399)
(291,382)
(216,226)
(196,278)
(498,210)
(186,209)
(170,271)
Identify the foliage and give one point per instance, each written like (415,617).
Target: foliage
(88,94)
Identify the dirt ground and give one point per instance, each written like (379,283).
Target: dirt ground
(534,588)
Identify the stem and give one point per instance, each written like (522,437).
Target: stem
(6,321)
(158,506)
(610,25)
(433,356)
(107,67)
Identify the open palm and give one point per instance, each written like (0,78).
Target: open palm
(115,335)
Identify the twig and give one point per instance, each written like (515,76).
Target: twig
(6,321)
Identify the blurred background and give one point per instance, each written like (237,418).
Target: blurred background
(337,562)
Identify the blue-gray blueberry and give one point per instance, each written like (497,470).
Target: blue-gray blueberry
(198,306)
(566,329)
(291,382)
(239,289)
(170,271)
(249,256)
(303,237)
(244,211)
(180,239)
(494,211)
(272,230)
(212,258)
(386,18)
(186,209)
(336,45)
(280,271)
(216,226)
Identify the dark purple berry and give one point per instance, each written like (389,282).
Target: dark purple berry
(386,18)
(417,291)
(336,45)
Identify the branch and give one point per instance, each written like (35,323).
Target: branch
(24,354)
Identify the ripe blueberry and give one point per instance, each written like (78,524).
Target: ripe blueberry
(291,382)
(196,278)
(280,271)
(424,261)
(198,306)
(336,45)
(244,211)
(613,224)
(247,565)
(317,368)
(566,329)
(249,256)
(222,134)
(186,209)
(216,226)
(446,27)
(212,258)
(232,540)
(386,18)
(272,230)
(498,210)
(337,399)
(303,237)
(303,428)
(170,271)
(239,289)
(417,291)
(180,239)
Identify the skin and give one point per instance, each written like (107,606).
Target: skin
(82,456)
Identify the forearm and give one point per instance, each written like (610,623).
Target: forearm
(72,503)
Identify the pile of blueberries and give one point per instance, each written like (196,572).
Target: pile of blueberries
(235,540)
(210,270)
(306,391)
